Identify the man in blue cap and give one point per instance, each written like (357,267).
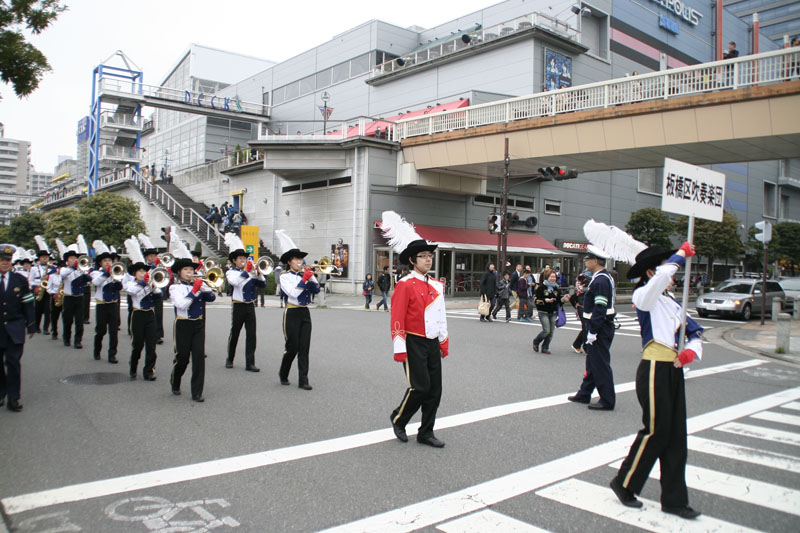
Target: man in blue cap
(16,302)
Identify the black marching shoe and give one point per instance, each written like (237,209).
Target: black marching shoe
(625,496)
(54,336)
(160,341)
(132,374)
(305,386)
(228,363)
(2,401)
(150,377)
(684,512)
(113,360)
(198,399)
(176,392)
(577,399)
(79,346)
(399,432)
(67,343)
(284,381)
(253,368)
(431,441)
(599,406)
(14,405)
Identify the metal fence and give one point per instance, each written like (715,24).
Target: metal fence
(747,71)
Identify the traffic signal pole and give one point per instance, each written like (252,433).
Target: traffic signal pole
(502,243)
(764,288)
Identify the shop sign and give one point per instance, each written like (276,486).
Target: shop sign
(215,102)
(83,129)
(570,245)
(679,7)
(693,191)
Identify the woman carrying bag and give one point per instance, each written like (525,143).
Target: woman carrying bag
(547,299)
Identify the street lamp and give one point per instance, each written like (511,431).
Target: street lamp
(325,97)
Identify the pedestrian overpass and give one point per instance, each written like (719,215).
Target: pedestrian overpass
(746,109)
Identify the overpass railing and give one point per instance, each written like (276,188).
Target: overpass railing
(748,71)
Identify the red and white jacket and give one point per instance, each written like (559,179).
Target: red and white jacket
(418,309)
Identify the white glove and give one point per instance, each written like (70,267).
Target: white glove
(591,337)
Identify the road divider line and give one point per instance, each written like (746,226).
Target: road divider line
(179,474)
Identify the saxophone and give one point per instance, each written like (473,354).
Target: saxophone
(42,288)
(59,299)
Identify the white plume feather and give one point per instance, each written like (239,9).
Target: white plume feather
(16,255)
(100,247)
(614,241)
(284,241)
(145,243)
(74,247)
(41,243)
(62,248)
(233,242)
(83,248)
(179,249)
(134,251)
(397,231)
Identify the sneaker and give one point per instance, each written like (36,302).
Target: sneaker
(508,319)
(577,350)
(535,347)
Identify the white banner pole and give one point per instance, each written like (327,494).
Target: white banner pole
(687,280)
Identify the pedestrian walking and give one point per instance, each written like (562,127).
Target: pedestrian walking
(660,384)
(40,273)
(523,289)
(151,258)
(385,285)
(368,286)
(488,288)
(547,300)
(74,280)
(576,299)
(503,295)
(419,330)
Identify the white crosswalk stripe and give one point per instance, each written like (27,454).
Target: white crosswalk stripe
(759,432)
(794,406)
(601,501)
(781,418)
(488,520)
(745,454)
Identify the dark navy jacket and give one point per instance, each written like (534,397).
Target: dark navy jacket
(16,305)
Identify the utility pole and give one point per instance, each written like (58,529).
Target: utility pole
(502,245)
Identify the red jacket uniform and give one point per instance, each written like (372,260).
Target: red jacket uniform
(418,309)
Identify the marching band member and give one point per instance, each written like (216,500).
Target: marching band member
(142,294)
(187,295)
(298,284)
(55,288)
(151,258)
(418,328)
(660,383)
(83,249)
(74,281)
(41,272)
(106,298)
(23,263)
(245,280)
(16,301)
(115,258)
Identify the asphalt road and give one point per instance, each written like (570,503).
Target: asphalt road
(257,456)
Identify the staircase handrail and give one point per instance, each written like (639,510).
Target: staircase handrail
(187,216)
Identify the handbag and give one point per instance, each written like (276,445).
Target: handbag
(484,308)
(562,317)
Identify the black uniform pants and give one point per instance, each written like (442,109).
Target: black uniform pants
(243,315)
(73,314)
(130,314)
(55,313)
(189,342)
(661,393)
(598,368)
(297,334)
(87,303)
(10,369)
(43,310)
(158,305)
(143,327)
(581,337)
(423,369)
(106,320)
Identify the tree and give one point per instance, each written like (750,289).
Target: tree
(714,240)
(21,63)
(652,226)
(786,244)
(24,227)
(61,223)
(109,217)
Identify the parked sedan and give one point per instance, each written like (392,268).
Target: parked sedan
(738,297)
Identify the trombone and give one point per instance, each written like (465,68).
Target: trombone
(325,266)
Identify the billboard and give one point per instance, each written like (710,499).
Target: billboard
(557,71)
(83,129)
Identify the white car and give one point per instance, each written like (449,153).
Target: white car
(738,297)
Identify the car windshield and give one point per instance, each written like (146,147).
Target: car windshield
(791,284)
(736,287)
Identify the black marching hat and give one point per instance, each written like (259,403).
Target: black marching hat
(183,263)
(415,247)
(648,258)
(41,253)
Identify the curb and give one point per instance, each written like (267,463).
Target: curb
(728,336)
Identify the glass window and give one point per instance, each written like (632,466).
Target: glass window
(524,204)
(552,207)
(278,95)
(340,72)
(292,90)
(265,98)
(770,199)
(323,78)
(307,85)
(359,65)
(651,180)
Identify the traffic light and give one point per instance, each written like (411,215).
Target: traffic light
(558,173)
(494,223)
(765,234)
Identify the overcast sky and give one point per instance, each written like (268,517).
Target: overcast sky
(155,33)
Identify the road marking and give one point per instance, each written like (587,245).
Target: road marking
(745,454)
(781,418)
(735,487)
(488,520)
(759,432)
(476,497)
(167,476)
(601,501)
(792,405)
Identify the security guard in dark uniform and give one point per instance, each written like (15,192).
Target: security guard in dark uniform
(16,305)
(599,313)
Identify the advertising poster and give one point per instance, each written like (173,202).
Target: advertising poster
(557,70)
(340,257)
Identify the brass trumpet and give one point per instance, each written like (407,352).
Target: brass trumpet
(118,271)
(265,266)
(166,259)
(159,278)
(325,266)
(214,278)
(84,263)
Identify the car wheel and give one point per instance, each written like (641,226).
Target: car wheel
(702,313)
(746,312)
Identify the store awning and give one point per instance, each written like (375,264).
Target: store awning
(482,240)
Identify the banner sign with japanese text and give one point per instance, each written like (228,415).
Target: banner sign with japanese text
(250,240)
(692,191)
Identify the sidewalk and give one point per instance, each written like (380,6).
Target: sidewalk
(762,339)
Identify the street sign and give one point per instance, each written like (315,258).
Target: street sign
(692,191)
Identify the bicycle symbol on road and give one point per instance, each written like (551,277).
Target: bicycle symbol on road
(164,516)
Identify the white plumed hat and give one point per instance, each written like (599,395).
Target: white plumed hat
(135,255)
(287,247)
(402,237)
(611,242)
(235,246)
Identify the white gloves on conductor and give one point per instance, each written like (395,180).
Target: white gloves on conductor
(591,337)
